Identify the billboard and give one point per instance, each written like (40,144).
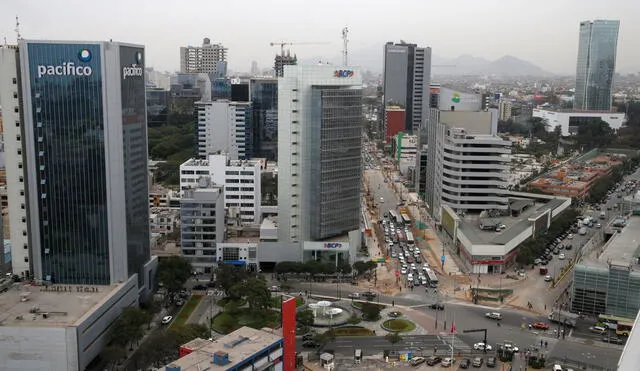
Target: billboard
(448,222)
(325,246)
(459,100)
(289,333)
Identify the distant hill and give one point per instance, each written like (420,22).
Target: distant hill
(371,59)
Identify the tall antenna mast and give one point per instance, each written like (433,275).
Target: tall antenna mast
(18,36)
(345,51)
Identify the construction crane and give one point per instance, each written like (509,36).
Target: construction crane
(283,43)
(345,50)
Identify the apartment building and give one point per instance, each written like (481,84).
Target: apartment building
(225,126)
(202,59)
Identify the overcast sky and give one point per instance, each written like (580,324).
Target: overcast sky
(544,32)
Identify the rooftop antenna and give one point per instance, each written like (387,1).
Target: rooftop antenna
(18,28)
(345,51)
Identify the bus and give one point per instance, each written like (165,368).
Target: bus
(395,216)
(432,278)
(405,219)
(624,328)
(612,322)
(410,240)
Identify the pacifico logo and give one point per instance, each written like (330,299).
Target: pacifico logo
(135,70)
(68,68)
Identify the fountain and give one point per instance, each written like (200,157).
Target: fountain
(324,314)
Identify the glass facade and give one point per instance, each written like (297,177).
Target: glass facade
(264,99)
(336,171)
(66,94)
(596,64)
(600,290)
(134,134)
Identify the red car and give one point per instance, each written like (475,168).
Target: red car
(540,326)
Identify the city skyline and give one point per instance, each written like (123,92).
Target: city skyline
(488,33)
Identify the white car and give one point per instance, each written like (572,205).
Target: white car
(511,347)
(482,346)
(570,236)
(561,256)
(381,200)
(493,315)
(166,320)
(446,362)
(403,271)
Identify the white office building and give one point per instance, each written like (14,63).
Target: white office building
(202,59)
(571,120)
(319,155)
(202,217)
(406,149)
(240,179)
(224,127)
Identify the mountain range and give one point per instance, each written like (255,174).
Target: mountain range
(371,59)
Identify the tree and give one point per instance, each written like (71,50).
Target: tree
(112,354)
(344,267)
(127,328)
(305,317)
(173,272)
(393,338)
(362,267)
(228,275)
(188,332)
(371,312)
(255,291)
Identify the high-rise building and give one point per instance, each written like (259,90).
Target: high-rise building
(394,121)
(225,126)
(202,59)
(596,64)
(504,109)
(319,152)
(282,60)
(264,99)
(79,158)
(407,76)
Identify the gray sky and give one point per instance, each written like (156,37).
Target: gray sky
(544,32)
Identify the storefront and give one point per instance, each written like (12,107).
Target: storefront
(325,252)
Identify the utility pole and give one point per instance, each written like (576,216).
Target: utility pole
(345,50)
(17,29)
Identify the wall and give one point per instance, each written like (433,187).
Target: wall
(27,348)
(461,101)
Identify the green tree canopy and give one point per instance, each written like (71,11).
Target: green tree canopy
(255,291)
(228,275)
(370,311)
(173,272)
(305,317)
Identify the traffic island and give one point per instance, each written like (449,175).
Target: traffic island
(398,325)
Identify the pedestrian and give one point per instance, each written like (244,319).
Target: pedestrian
(546,345)
(545,307)
(541,342)
(393,303)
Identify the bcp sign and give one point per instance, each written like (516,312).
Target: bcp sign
(332,245)
(343,73)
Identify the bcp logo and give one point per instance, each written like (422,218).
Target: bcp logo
(332,245)
(68,68)
(343,73)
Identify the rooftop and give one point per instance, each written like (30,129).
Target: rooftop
(621,249)
(239,345)
(243,239)
(53,306)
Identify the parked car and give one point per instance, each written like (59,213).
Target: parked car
(274,288)
(417,361)
(482,346)
(493,315)
(369,294)
(491,362)
(354,295)
(540,325)
(465,363)
(309,344)
(548,278)
(447,362)
(613,340)
(166,320)
(477,362)
(434,360)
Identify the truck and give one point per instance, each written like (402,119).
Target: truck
(582,231)
(562,316)
(603,215)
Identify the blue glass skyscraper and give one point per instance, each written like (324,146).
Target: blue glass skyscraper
(596,64)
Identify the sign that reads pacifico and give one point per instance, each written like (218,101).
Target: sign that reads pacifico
(133,68)
(63,60)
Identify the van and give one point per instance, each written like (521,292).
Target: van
(557,367)
(598,330)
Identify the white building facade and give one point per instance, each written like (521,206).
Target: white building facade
(202,59)
(240,179)
(224,126)
(406,151)
(569,120)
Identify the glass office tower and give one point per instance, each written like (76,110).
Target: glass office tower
(85,143)
(596,64)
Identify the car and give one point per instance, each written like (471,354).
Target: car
(493,315)
(354,295)
(179,303)
(491,362)
(434,360)
(465,363)
(307,337)
(477,362)
(598,225)
(416,361)
(166,320)
(394,255)
(274,288)
(569,247)
(482,346)
(381,200)
(403,271)
(511,347)
(540,325)
(548,278)
(369,294)
(561,256)
(309,344)
(570,236)
(437,306)
(613,340)
(446,362)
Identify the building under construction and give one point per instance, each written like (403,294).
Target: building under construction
(284,59)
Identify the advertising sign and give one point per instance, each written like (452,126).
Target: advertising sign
(332,246)
(343,73)
(63,62)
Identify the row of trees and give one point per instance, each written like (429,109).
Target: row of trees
(174,143)
(312,267)
(601,186)
(534,247)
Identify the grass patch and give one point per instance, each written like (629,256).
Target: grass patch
(226,322)
(226,300)
(398,325)
(351,331)
(358,305)
(186,310)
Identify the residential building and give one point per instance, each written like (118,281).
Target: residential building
(407,75)
(570,120)
(202,59)
(282,60)
(245,348)
(264,100)
(319,155)
(394,121)
(596,65)
(163,220)
(225,126)
(405,148)
(5,251)
(202,219)
(504,110)
(81,197)
(241,180)
(606,281)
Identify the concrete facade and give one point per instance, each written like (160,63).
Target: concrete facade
(202,59)
(225,126)
(570,120)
